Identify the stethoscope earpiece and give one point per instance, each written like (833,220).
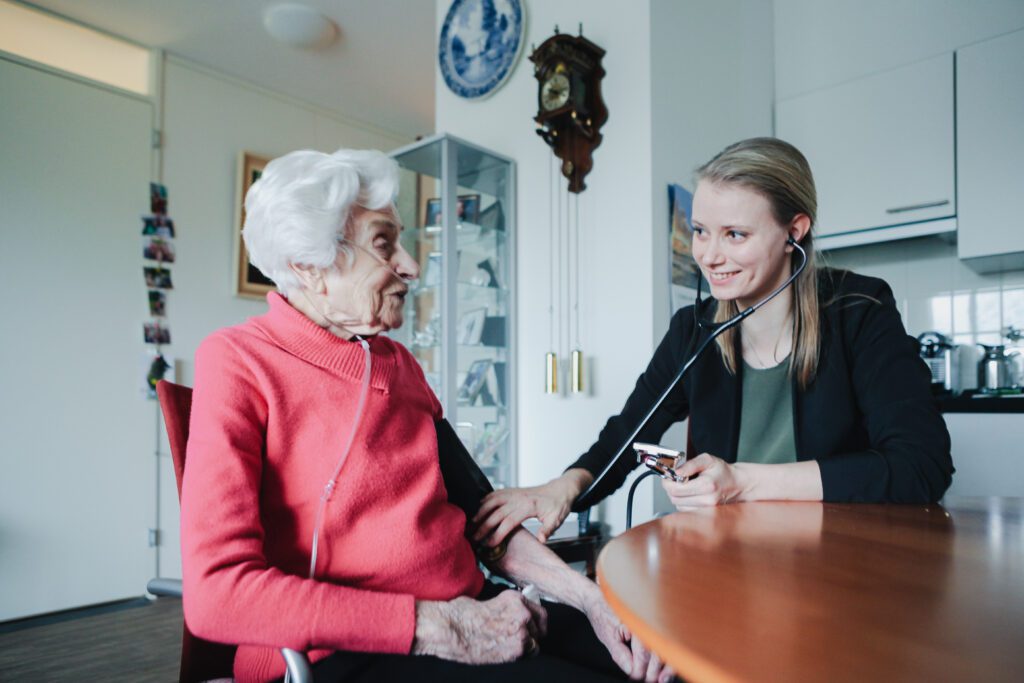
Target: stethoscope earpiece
(743,314)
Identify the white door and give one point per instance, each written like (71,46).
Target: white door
(76,436)
(881,148)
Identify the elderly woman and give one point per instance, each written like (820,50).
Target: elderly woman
(316,509)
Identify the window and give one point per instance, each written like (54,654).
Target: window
(62,44)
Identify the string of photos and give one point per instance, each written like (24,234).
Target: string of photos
(157,253)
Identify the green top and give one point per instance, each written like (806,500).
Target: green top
(766,420)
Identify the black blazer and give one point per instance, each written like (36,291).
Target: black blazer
(868,417)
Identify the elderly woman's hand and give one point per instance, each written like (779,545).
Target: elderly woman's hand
(628,652)
(502,629)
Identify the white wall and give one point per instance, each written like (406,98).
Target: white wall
(76,465)
(826,42)
(208,119)
(671,106)
(705,96)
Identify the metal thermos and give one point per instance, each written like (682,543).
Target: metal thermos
(942,360)
(996,369)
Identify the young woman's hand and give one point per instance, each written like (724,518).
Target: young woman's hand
(465,630)
(712,481)
(503,511)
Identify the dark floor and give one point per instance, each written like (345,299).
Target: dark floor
(139,643)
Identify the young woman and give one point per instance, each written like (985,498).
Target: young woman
(820,395)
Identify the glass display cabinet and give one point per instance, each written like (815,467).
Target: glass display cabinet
(457,202)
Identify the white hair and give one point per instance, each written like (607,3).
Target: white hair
(299,208)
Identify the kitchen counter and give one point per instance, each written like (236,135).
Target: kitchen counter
(968,402)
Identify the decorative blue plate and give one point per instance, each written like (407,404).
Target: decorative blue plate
(480,40)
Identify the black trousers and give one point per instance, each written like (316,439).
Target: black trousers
(570,652)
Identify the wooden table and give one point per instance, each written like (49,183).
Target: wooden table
(824,592)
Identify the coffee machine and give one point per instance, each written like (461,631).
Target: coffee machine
(942,359)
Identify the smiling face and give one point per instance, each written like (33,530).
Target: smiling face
(740,248)
(366,295)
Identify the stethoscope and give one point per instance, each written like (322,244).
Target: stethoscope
(717,329)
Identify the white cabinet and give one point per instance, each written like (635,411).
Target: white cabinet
(987,453)
(882,152)
(990,153)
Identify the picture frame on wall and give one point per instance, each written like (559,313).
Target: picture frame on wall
(683,273)
(249,281)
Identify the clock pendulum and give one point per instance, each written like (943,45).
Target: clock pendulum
(551,357)
(576,365)
(570,114)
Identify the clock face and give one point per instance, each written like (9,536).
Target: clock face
(554,92)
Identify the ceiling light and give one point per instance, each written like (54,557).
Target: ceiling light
(299,25)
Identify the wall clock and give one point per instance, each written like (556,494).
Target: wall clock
(570,111)
(480,41)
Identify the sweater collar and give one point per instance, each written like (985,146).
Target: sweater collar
(303,338)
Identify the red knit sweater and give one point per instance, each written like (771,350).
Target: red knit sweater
(274,400)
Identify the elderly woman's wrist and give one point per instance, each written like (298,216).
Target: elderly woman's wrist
(592,597)
(433,627)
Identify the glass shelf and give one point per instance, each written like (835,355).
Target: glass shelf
(433,289)
(457,202)
(468,233)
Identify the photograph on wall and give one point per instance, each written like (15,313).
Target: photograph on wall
(158,278)
(684,271)
(157,249)
(157,303)
(155,333)
(249,281)
(155,367)
(157,198)
(158,225)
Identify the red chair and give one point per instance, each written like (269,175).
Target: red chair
(202,660)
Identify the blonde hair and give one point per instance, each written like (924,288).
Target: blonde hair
(780,173)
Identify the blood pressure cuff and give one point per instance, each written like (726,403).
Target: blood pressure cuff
(465,481)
